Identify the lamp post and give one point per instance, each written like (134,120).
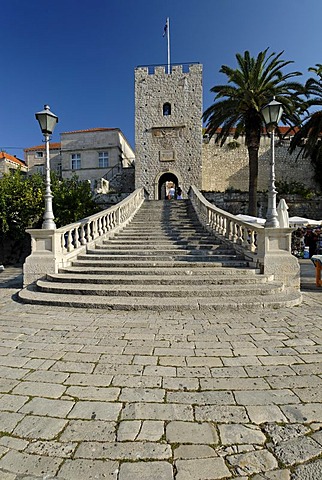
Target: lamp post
(47,122)
(272,114)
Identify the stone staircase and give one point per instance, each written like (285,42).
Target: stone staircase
(163,260)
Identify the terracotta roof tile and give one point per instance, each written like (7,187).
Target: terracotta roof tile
(283,130)
(93,130)
(52,146)
(6,156)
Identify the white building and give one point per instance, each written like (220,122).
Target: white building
(90,154)
(9,163)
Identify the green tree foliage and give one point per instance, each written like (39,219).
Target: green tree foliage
(22,206)
(238,104)
(21,203)
(72,200)
(309,136)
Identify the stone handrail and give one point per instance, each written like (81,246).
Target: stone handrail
(53,249)
(266,248)
(225,225)
(75,235)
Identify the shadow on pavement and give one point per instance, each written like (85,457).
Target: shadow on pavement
(11,277)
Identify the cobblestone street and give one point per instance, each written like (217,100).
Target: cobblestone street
(94,394)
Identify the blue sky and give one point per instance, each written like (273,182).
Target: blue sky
(79,56)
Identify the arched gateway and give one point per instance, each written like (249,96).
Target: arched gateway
(168,129)
(162,183)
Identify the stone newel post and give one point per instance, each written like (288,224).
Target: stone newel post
(274,255)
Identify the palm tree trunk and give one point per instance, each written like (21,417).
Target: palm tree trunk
(253,180)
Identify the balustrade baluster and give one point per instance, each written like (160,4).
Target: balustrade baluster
(245,238)
(95,229)
(69,241)
(76,239)
(63,242)
(99,226)
(252,239)
(239,234)
(104,224)
(235,232)
(82,235)
(224,225)
(88,233)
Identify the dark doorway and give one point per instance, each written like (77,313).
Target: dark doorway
(165,180)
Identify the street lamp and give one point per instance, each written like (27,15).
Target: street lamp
(47,122)
(272,114)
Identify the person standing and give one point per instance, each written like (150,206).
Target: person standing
(172,193)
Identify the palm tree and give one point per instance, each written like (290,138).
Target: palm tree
(309,135)
(238,105)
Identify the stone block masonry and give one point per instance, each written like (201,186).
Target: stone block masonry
(168,131)
(227,168)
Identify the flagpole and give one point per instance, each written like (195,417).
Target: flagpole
(168,40)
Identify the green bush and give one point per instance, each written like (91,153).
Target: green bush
(22,206)
(283,187)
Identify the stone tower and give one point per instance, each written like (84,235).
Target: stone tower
(168,128)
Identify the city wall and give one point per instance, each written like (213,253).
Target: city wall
(227,167)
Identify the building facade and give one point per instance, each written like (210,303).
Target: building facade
(168,129)
(10,163)
(170,147)
(35,158)
(92,155)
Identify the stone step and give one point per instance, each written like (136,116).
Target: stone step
(162,263)
(189,304)
(167,279)
(156,227)
(113,248)
(164,291)
(187,256)
(161,271)
(155,236)
(161,241)
(148,252)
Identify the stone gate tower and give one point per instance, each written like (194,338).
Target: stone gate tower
(168,128)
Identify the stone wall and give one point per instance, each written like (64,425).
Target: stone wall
(226,167)
(168,139)
(35,159)
(124,181)
(236,203)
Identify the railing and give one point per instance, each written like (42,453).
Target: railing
(266,248)
(229,227)
(53,249)
(75,235)
(112,171)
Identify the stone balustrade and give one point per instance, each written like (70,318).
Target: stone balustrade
(268,249)
(225,224)
(54,249)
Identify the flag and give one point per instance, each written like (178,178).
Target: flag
(165,28)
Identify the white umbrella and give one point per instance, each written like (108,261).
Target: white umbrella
(282,214)
(301,221)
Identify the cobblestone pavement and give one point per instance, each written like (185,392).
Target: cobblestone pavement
(88,394)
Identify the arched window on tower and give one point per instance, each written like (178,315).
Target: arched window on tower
(166,109)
